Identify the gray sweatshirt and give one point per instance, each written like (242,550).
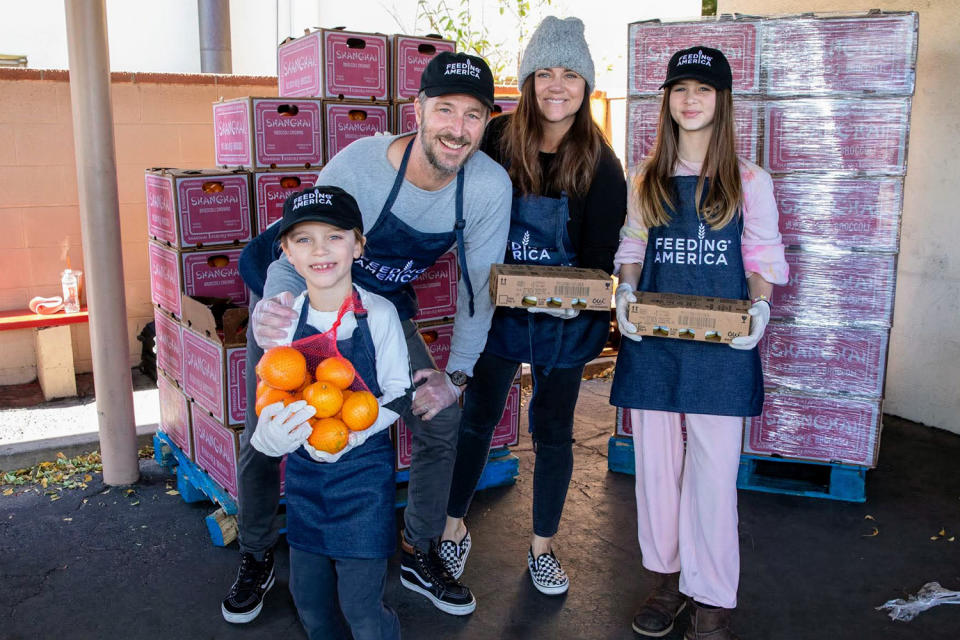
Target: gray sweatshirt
(362,169)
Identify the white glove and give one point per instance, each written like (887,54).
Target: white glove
(434,395)
(623,297)
(273,320)
(563,314)
(760,317)
(282,429)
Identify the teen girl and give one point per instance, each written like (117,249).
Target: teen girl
(569,202)
(701,222)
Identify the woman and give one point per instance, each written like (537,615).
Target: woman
(569,203)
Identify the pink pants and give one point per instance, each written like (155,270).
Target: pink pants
(687,505)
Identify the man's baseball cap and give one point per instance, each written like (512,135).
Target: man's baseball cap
(449,73)
(331,205)
(707,65)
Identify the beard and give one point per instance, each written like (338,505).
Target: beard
(432,149)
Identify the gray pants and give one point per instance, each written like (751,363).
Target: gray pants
(431,466)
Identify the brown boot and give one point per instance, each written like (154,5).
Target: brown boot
(661,608)
(709,624)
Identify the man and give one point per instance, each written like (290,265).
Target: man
(420,195)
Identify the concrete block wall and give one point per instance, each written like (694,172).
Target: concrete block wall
(159,120)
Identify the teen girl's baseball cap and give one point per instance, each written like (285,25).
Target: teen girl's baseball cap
(705,64)
(331,205)
(449,73)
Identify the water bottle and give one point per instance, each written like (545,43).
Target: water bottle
(71,293)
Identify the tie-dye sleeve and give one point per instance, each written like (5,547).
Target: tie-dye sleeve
(762,245)
(633,234)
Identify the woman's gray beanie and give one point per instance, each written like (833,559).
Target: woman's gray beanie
(557,43)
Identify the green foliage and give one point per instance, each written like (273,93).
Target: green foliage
(709,8)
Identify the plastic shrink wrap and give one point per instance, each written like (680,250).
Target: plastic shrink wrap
(815,428)
(856,136)
(875,54)
(837,289)
(845,213)
(650,45)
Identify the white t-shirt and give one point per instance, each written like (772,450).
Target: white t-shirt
(392,360)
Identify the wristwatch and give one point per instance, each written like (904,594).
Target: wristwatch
(459,378)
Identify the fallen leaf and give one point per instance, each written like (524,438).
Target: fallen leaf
(951,538)
(868,517)
(87,478)
(129,491)
(874,532)
(61,456)
(942,532)
(934,537)
(54,498)
(68,519)
(133,504)
(8,492)
(173,492)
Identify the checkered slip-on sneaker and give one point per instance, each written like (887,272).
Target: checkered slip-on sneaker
(547,574)
(454,555)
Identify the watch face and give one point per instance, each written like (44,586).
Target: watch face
(458,378)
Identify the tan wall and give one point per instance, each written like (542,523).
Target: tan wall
(159,120)
(923,374)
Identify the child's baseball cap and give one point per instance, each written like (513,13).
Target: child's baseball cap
(705,64)
(328,204)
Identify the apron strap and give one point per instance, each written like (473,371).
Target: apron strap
(398,181)
(461,250)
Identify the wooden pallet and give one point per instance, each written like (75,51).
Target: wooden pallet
(826,480)
(196,485)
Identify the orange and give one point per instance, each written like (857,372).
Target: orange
(336,370)
(282,368)
(324,397)
(329,434)
(261,387)
(360,410)
(270,396)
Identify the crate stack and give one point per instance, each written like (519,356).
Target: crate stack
(824,105)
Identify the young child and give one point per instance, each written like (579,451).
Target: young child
(341,526)
(701,222)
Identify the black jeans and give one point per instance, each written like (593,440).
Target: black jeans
(551,418)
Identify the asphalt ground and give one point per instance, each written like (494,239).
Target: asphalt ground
(137,562)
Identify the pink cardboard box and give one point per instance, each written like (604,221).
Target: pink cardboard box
(216,449)
(643,116)
(507,431)
(335,64)
(214,362)
(847,213)
(650,45)
(411,54)
(436,289)
(210,273)
(842,360)
(268,133)
(197,208)
(838,289)
(438,338)
(816,428)
(348,121)
(833,55)
(169,341)
(405,118)
(175,415)
(271,188)
(825,134)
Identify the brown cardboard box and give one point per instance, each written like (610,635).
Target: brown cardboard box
(525,286)
(671,315)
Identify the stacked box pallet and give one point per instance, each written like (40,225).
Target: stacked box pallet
(823,104)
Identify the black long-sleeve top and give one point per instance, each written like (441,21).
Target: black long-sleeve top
(596,218)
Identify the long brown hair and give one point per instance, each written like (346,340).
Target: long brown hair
(577,156)
(725,194)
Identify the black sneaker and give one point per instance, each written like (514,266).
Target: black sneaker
(245,599)
(426,574)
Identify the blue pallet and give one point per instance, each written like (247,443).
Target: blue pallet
(620,455)
(803,478)
(501,469)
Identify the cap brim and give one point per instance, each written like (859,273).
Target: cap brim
(693,76)
(334,221)
(449,90)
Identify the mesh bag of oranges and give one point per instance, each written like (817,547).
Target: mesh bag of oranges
(313,369)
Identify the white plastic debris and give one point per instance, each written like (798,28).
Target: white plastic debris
(930,595)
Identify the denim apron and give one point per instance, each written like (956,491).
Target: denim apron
(395,255)
(387,266)
(669,374)
(538,235)
(344,509)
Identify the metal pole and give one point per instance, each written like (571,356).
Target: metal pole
(100,230)
(215,54)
